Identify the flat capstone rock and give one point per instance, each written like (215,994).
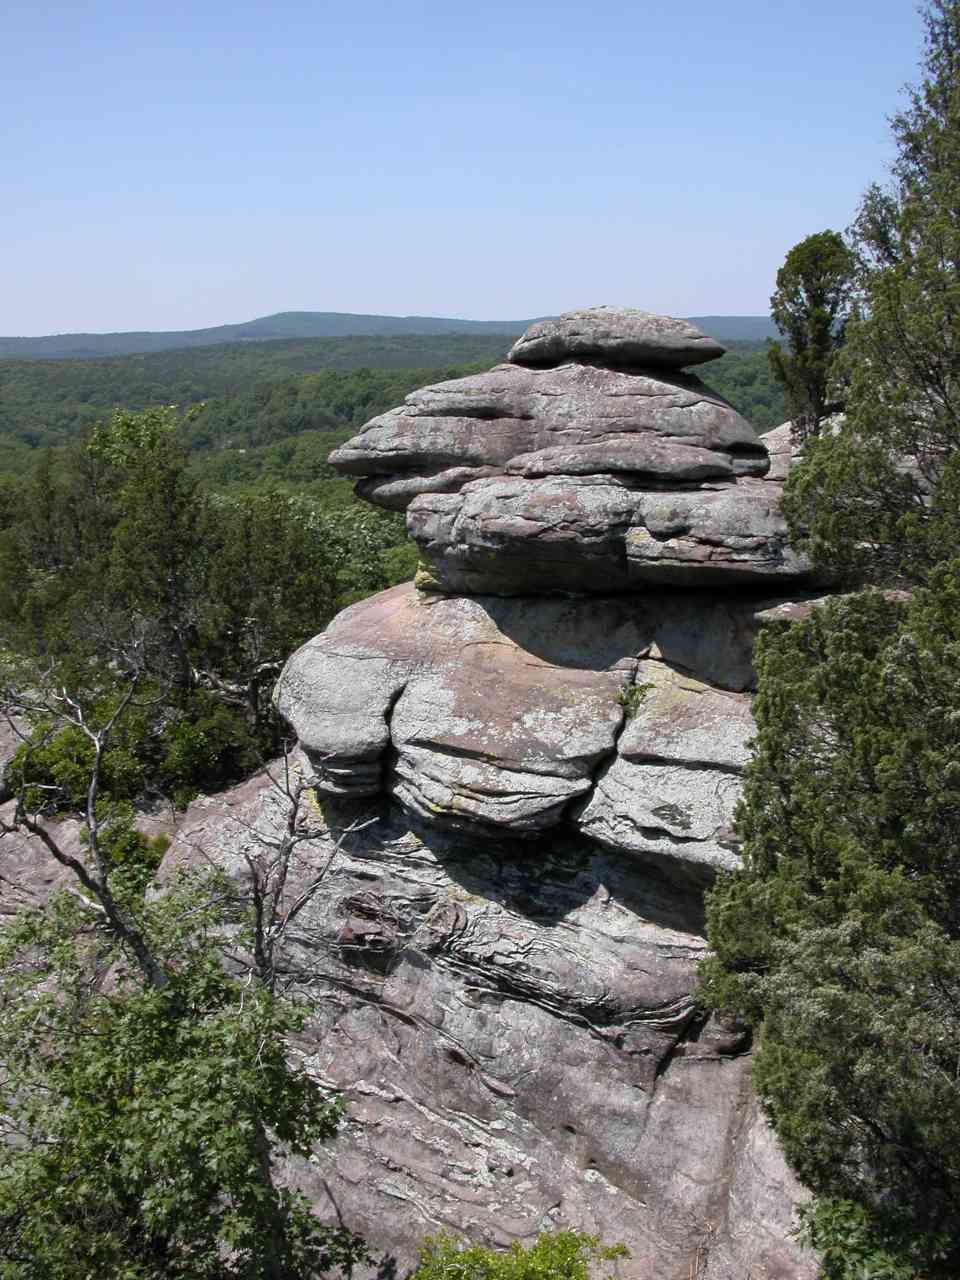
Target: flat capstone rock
(615,336)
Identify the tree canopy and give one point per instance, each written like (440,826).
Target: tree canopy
(842,933)
(810,308)
(877,500)
(840,938)
(120,551)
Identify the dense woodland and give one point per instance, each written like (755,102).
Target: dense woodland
(259,394)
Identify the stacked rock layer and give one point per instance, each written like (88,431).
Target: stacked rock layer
(589,463)
(570,677)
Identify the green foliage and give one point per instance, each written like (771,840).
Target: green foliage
(810,308)
(132,858)
(559,1255)
(631,697)
(204,748)
(851,1247)
(120,561)
(52,767)
(136,1117)
(744,377)
(51,402)
(841,936)
(878,501)
(245,408)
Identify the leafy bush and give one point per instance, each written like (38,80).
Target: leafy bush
(140,1122)
(206,747)
(559,1255)
(54,764)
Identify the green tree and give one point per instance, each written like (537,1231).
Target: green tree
(271,582)
(118,551)
(878,500)
(810,307)
(841,936)
(146,1092)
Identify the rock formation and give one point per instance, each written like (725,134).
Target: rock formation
(500,967)
(551,724)
(588,463)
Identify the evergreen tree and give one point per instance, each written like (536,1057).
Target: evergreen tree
(878,500)
(810,308)
(841,936)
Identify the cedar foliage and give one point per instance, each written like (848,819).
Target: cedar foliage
(878,499)
(810,308)
(840,938)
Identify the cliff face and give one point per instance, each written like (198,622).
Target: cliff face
(512,1026)
(550,727)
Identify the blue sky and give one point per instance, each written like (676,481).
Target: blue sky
(179,165)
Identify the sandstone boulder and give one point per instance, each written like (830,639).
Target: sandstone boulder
(673,786)
(617,336)
(626,717)
(580,475)
(488,419)
(600,534)
(552,732)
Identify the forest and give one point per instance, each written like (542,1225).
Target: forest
(268,413)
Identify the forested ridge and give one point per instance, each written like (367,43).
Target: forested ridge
(259,396)
(311,324)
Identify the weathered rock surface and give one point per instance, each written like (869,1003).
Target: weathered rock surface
(513,1029)
(487,419)
(583,476)
(623,717)
(670,793)
(598,534)
(513,956)
(617,336)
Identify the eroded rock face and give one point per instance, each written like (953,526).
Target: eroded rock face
(552,731)
(583,475)
(615,336)
(598,534)
(623,718)
(513,1029)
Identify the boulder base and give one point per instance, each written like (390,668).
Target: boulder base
(624,718)
(514,1033)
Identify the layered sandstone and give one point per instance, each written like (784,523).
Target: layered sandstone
(551,729)
(567,470)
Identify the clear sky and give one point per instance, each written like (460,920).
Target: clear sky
(177,165)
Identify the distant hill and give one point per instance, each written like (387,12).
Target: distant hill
(48,402)
(287,325)
(733,328)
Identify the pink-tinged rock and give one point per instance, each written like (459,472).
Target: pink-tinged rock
(671,792)
(488,419)
(517,1041)
(514,715)
(615,335)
